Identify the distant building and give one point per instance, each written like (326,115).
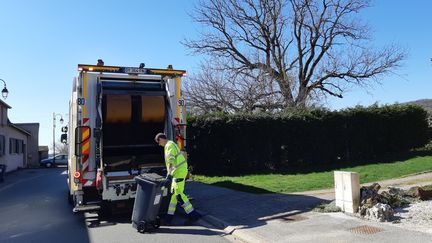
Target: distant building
(32,144)
(13,141)
(43,152)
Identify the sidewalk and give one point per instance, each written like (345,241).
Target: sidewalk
(287,217)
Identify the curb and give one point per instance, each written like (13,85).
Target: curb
(236,231)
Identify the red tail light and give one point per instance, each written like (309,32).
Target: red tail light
(77,175)
(99,180)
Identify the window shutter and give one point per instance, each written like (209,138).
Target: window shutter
(2,145)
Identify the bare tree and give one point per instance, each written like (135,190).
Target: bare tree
(217,89)
(309,48)
(61,148)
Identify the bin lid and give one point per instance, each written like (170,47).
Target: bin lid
(151,177)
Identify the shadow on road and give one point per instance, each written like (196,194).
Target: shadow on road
(241,187)
(247,210)
(93,220)
(34,208)
(186,231)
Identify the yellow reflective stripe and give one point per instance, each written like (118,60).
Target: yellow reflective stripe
(189,210)
(178,166)
(163,71)
(186,204)
(188,207)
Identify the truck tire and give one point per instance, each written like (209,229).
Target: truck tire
(70,198)
(105,210)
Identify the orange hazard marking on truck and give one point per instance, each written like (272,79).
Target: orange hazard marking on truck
(86,141)
(86,133)
(86,147)
(179,143)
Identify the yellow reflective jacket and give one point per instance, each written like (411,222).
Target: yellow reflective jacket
(175,161)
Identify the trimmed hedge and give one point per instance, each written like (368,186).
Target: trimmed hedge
(222,144)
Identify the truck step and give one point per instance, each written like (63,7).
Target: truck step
(86,208)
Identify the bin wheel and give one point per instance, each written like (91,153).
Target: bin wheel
(142,227)
(157,223)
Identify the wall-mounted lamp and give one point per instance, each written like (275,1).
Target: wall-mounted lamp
(5,92)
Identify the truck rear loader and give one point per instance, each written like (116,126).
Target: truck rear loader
(114,114)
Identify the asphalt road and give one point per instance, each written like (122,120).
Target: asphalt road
(34,208)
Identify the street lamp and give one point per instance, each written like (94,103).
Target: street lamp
(54,126)
(5,92)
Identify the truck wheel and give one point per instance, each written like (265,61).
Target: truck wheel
(70,198)
(105,210)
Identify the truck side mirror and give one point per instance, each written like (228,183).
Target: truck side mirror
(82,138)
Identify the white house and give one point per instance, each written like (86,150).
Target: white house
(13,141)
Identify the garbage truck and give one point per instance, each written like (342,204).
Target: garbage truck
(114,114)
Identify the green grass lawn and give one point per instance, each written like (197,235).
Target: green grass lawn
(279,183)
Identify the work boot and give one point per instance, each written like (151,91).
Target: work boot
(194,216)
(167,220)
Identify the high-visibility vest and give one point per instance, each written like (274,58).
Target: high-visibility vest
(175,159)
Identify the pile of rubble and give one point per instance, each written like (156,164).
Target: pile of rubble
(380,206)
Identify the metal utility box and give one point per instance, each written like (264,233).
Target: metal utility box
(347,191)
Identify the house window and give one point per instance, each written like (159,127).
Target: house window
(12,145)
(1,116)
(17,146)
(2,145)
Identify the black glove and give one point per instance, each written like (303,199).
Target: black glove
(167,181)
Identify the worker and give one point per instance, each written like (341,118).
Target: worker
(177,170)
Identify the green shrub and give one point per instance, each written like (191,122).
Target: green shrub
(224,144)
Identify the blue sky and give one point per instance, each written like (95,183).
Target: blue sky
(41,42)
